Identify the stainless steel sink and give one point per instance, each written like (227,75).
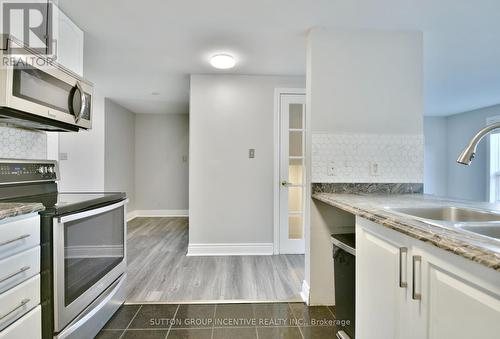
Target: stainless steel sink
(480,222)
(449,214)
(491,231)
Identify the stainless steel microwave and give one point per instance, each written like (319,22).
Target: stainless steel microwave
(38,93)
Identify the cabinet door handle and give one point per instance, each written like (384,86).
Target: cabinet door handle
(15,239)
(402,250)
(12,275)
(23,302)
(416,295)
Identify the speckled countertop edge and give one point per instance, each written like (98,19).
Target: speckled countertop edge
(9,210)
(469,246)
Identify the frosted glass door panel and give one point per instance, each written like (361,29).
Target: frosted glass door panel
(292,172)
(296,116)
(295,145)
(296,171)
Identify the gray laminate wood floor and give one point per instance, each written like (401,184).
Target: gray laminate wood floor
(160,271)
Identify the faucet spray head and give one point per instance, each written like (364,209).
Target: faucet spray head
(469,152)
(466,156)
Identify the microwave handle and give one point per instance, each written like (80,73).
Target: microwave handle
(83,102)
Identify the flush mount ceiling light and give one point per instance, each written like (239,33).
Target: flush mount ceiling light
(223,61)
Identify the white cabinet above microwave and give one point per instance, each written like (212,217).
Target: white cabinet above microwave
(69,44)
(39,94)
(68,38)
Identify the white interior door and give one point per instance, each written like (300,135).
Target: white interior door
(292,173)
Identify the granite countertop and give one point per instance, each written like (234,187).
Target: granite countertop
(443,235)
(8,210)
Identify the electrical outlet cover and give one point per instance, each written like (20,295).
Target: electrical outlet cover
(331,169)
(374,168)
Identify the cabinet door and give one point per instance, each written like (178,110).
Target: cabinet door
(381,280)
(455,307)
(27,14)
(69,43)
(29,326)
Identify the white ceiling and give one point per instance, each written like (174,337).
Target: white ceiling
(134,48)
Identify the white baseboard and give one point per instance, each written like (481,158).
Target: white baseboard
(230,249)
(131,215)
(157,213)
(305,292)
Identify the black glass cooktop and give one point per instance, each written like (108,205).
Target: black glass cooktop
(66,203)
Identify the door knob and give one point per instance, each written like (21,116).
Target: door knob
(285,183)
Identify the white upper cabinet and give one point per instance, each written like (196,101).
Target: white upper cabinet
(69,46)
(69,38)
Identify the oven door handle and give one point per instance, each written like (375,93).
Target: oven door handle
(91,213)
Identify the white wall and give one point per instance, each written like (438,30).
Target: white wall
(161,165)
(473,178)
(358,82)
(463,182)
(230,195)
(84,169)
(365,81)
(94,157)
(436,156)
(119,153)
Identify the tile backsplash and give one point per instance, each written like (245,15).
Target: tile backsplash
(22,144)
(365,158)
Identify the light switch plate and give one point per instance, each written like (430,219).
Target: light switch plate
(63,156)
(251,153)
(374,168)
(330,171)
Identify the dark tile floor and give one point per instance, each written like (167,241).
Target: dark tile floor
(222,321)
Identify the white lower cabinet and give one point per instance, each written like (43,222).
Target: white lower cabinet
(17,301)
(19,234)
(457,303)
(20,311)
(408,289)
(379,297)
(29,326)
(18,268)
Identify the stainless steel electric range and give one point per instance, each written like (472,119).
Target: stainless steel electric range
(83,248)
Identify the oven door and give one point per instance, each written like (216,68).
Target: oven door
(89,255)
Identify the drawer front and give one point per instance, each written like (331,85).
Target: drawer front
(19,300)
(29,326)
(18,268)
(19,235)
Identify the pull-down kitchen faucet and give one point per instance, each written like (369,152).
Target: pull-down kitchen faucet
(469,152)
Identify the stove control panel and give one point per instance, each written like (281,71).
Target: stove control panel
(23,171)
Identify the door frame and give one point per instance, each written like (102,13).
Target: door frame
(278,92)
